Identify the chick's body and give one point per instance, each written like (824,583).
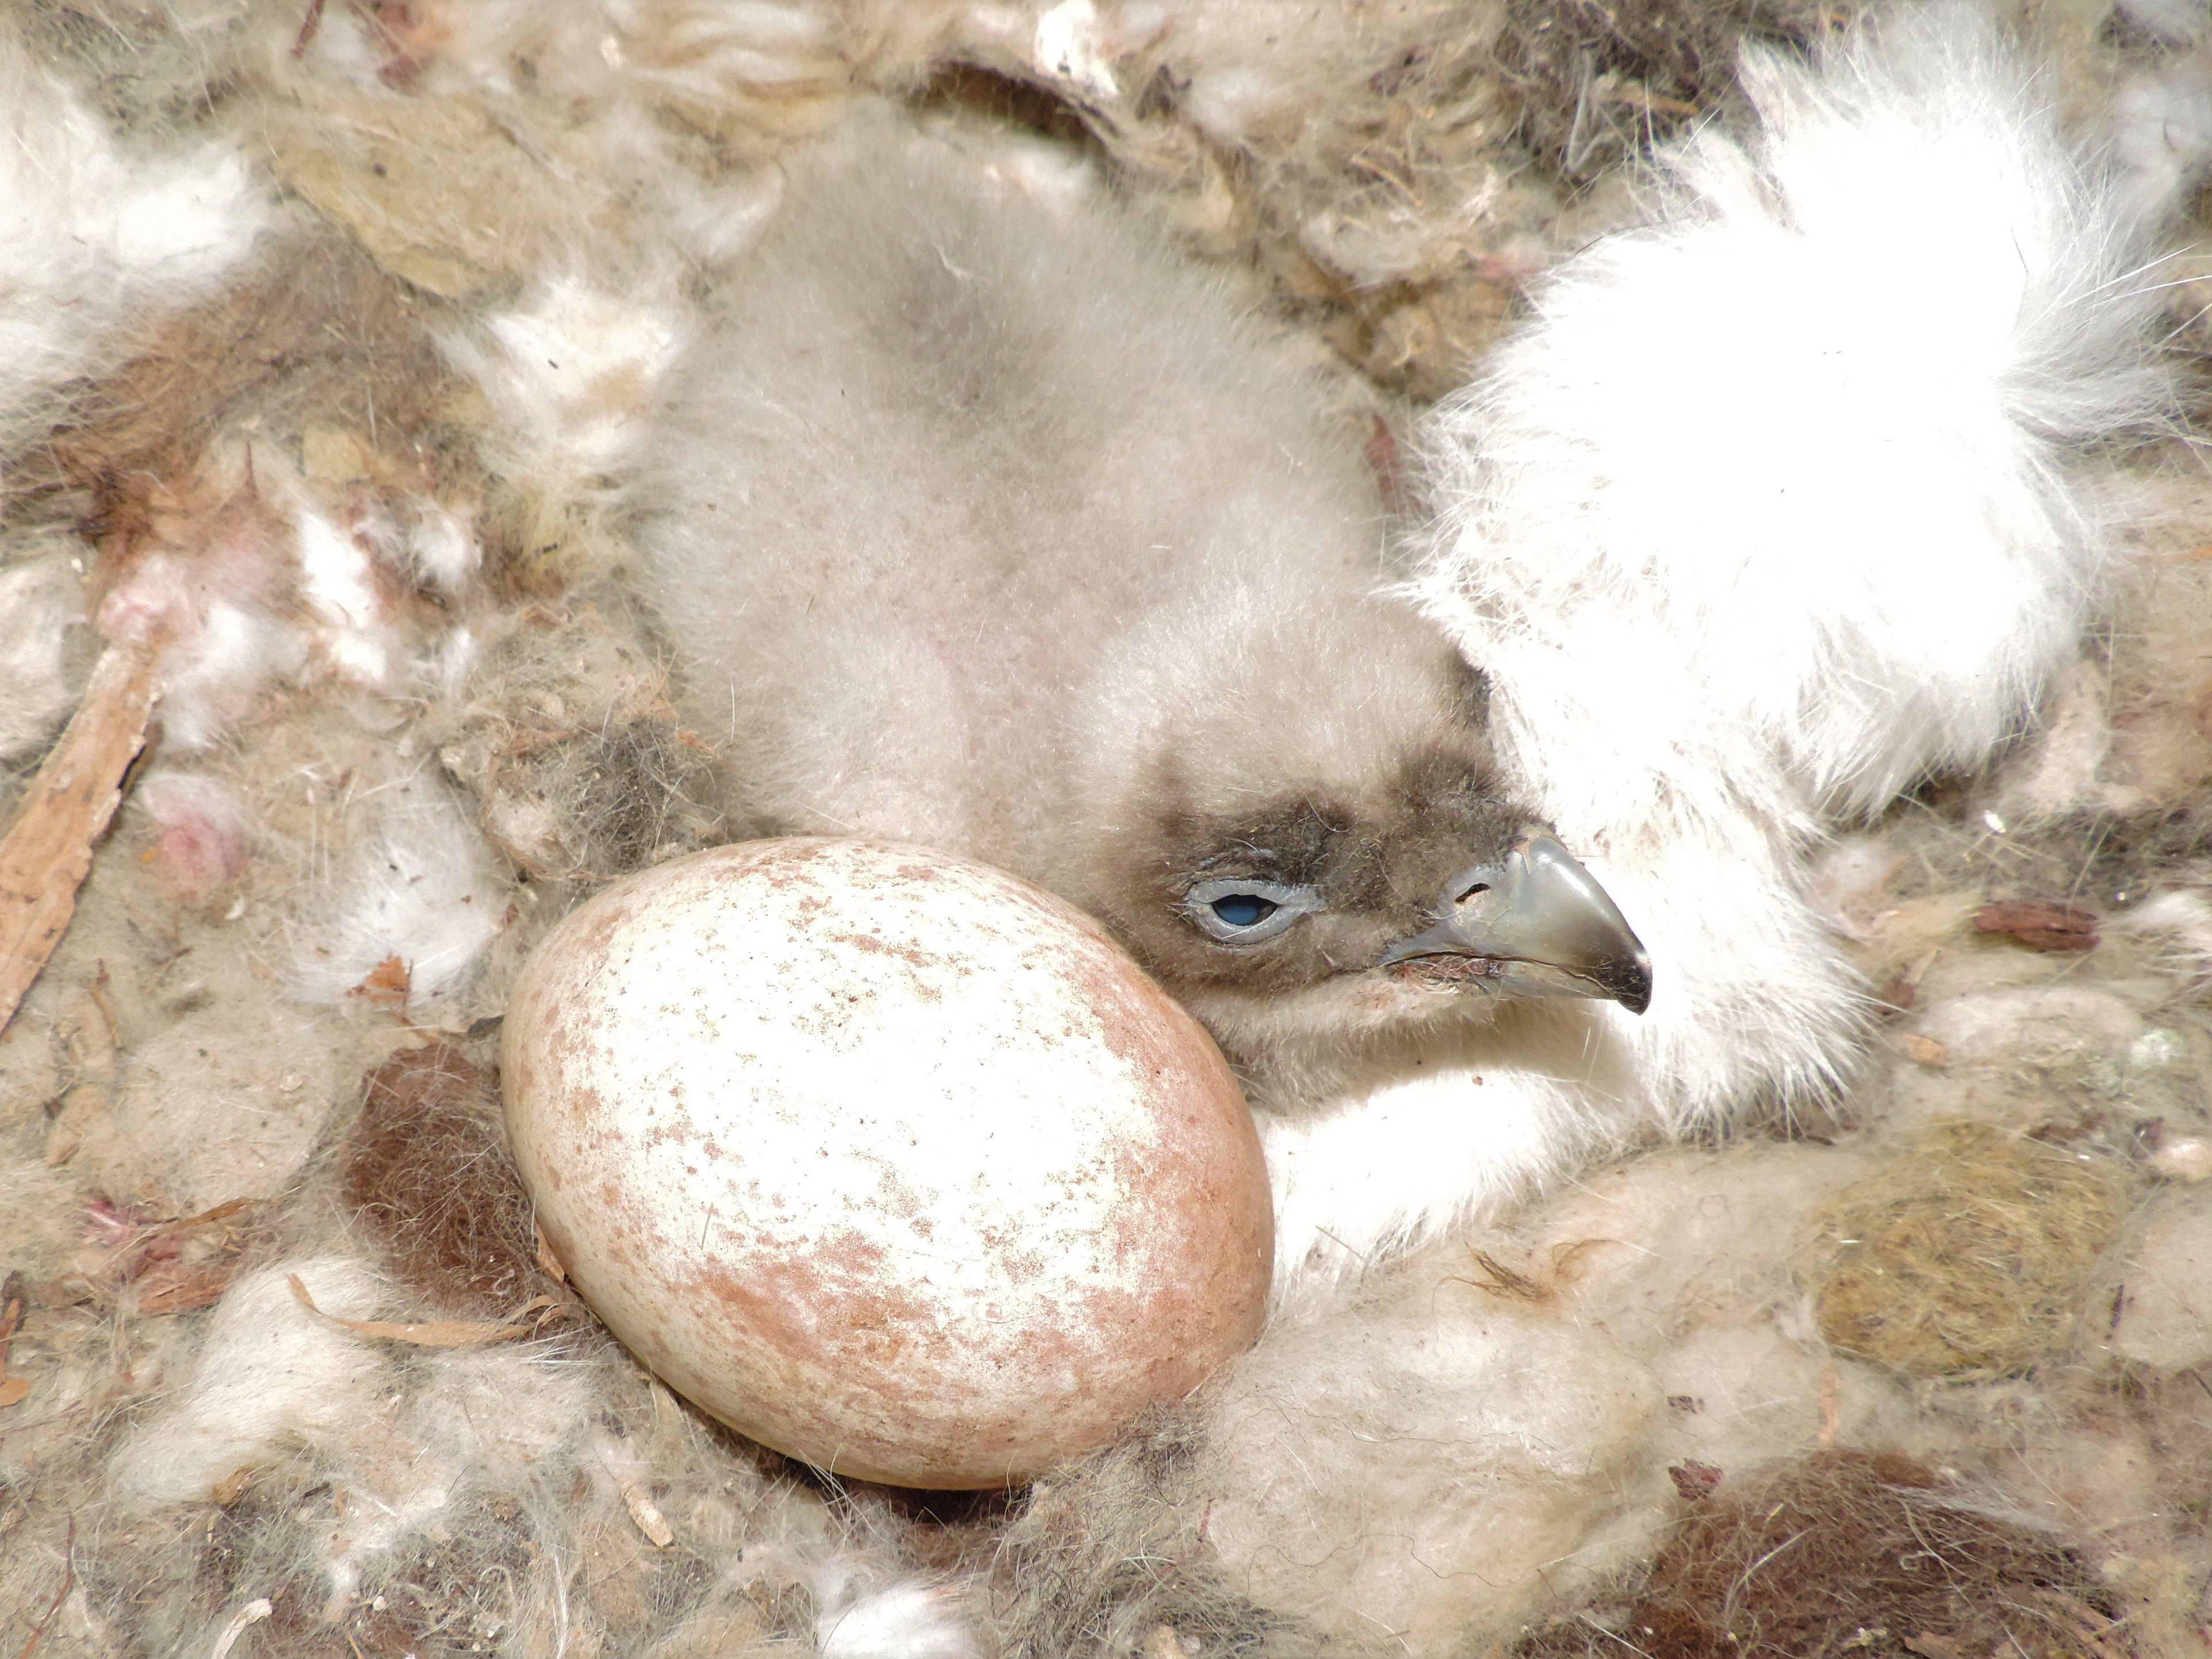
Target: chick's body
(983,522)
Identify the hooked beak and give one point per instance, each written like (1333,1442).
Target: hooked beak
(1540,927)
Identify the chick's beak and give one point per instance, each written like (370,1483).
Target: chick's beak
(1540,927)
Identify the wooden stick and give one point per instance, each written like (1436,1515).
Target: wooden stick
(48,851)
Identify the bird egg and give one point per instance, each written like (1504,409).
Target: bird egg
(886,1158)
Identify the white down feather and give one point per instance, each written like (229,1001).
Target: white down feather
(1772,510)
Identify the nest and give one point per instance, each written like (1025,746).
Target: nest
(283,1370)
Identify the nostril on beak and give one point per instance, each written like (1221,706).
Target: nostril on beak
(1543,922)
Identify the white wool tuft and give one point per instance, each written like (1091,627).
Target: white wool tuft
(442,549)
(272,1376)
(568,377)
(420,887)
(347,47)
(275,1378)
(482,1421)
(862,1616)
(93,237)
(215,614)
(259,583)
(380,1519)
(1768,513)
(210,681)
(452,657)
(719,225)
(338,581)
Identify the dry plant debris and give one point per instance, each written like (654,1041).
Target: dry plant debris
(13,1296)
(2039,926)
(1604,79)
(1966,1255)
(528,1320)
(149,1268)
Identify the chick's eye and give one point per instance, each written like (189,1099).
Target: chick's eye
(1243,910)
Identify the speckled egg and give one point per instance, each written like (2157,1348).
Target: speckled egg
(886,1158)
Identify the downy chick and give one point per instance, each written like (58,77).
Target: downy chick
(983,522)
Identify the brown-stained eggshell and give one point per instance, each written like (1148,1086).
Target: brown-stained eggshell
(886,1158)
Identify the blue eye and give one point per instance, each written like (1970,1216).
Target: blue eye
(1244,910)
(1238,910)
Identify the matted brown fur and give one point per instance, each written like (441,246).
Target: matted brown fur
(321,335)
(1852,1552)
(426,1172)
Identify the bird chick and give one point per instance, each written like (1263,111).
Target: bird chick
(1790,496)
(981,521)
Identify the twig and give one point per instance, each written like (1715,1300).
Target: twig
(48,852)
(530,1317)
(308,25)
